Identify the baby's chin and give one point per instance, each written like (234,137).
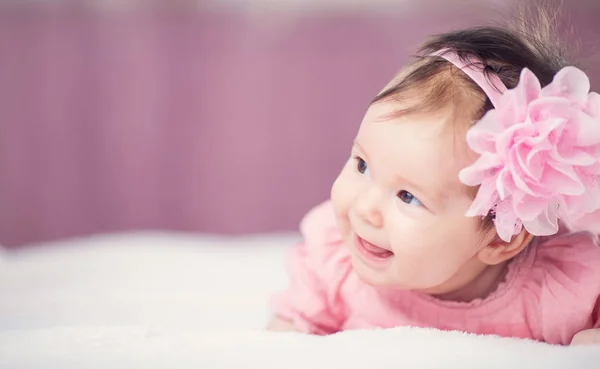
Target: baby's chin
(377,278)
(387,279)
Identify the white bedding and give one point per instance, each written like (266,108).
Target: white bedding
(175,301)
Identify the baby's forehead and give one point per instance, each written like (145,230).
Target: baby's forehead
(446,126)
(429,147)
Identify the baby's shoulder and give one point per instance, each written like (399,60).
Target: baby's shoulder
(576,254)
(565,268)
(319,226)
(562,285)
(323,241)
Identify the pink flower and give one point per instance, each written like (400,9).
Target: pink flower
(539,155)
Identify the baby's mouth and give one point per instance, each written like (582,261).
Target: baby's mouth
(375,250)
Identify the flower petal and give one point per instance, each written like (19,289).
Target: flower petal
(562,179)
(521,184)
(481,137)
(536,160)
(569,82)
(504,184)
(587,202)
(506,221)
(527,208)
(511,109)
(506,139)
(545,224)
(518,168)
(574,157)
(477,172)
(589,222)
(586,129)
(528,88)
(549,108)
(484,201)
(505,231)
(592,104)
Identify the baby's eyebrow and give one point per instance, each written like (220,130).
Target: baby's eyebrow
(420,187)
(361,149)
(438,192)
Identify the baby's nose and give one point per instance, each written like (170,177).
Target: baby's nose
(369,210)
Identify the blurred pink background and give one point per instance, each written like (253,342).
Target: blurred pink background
(219,119)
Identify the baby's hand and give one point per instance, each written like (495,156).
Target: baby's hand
(587,337)
(280,325)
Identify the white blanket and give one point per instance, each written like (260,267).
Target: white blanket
(176,301)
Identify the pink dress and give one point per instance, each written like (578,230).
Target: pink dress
(551,291)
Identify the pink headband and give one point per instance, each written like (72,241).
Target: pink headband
(539,152)
(492,86)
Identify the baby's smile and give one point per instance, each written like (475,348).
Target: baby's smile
(370,252)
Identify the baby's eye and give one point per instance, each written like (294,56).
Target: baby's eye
(361,166)
(409,198)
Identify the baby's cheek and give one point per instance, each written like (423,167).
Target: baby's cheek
(341,198)
(341,194)
(427,254)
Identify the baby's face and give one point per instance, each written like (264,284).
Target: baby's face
(401,207)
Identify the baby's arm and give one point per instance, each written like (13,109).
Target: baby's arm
(304,305)
(590,336)
(278,324)
(310,303)
(587,337)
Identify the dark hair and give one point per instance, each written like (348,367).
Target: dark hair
(431,82)
(501,51)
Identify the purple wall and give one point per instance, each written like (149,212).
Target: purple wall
(187,121)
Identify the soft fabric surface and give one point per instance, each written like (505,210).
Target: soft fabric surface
(174,301)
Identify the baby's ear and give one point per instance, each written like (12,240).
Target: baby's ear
(498,251)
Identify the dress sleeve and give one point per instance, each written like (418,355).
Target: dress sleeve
(596,314)
(589,222)
(565,286)
(317,269)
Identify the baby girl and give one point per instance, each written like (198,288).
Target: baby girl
(467,204)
